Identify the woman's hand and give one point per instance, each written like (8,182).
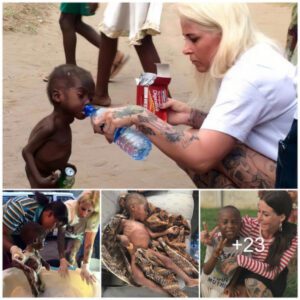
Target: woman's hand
(86,275)
(178,112)
(229,265)
(114,118)
(206,235)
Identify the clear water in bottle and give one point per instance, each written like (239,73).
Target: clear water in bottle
(133,142)
(129,139)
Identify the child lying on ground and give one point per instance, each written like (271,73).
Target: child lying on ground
(49,145)
(33,235)
(214,282)
(150,266)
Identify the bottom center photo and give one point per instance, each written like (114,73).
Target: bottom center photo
(150,243)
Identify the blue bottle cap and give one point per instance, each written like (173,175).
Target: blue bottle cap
(89,110)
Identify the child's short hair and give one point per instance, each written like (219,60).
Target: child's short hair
(231,208)
(65,76)
(126,201)
(30,231)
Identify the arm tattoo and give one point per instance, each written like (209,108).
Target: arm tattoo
(127,111)
(249,169)
(171,135)
(196,118)
(212,179)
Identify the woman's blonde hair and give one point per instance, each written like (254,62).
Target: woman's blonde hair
(91,197)
(238,33)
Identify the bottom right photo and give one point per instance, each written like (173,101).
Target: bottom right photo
(249,243)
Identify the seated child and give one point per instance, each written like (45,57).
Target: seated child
(33,235)
(214,282)
(49,145)
(136,238)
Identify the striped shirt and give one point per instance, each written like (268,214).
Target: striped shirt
(256,263)
(19,211)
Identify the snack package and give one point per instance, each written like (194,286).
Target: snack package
(152,90)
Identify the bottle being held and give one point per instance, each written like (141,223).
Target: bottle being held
(129,139)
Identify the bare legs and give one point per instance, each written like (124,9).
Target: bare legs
(147,54)
(108,50)
(70,24)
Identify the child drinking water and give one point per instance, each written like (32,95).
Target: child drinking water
(214,282)
(50,142)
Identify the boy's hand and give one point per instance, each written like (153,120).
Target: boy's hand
(206,235)
(50,181)
(220,247)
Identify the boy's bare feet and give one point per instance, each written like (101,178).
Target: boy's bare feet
(101,100)
(192,282)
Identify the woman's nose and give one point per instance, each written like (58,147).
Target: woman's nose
(186,49)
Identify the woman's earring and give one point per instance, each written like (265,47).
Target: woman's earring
(280,227)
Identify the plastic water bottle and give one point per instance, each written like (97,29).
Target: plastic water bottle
(129,139)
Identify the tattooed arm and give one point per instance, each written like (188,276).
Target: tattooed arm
(247,168)
(211,158)
(196,150)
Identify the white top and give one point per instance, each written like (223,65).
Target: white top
(256,102)
(134,20)
(80,225)
(215,283)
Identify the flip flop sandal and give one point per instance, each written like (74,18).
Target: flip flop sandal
(118,65)
(46,78)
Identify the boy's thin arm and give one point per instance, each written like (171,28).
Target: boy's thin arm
(210,264)
(39,136)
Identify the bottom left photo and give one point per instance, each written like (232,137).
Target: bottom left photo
(51,243)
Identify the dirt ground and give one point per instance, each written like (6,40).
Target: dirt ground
(30,54)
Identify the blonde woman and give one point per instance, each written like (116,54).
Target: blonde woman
(251,86)
(83,223)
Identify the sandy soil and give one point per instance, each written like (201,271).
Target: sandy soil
(27,57)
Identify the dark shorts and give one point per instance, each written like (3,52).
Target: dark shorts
(82,9)
(286,172)
(276,286)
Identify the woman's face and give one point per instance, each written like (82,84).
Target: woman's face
(267,217)
(201,45)
(85,210)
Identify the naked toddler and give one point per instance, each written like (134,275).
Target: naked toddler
(134,235)
(50,142)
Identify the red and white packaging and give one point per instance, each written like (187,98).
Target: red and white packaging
(152,90)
